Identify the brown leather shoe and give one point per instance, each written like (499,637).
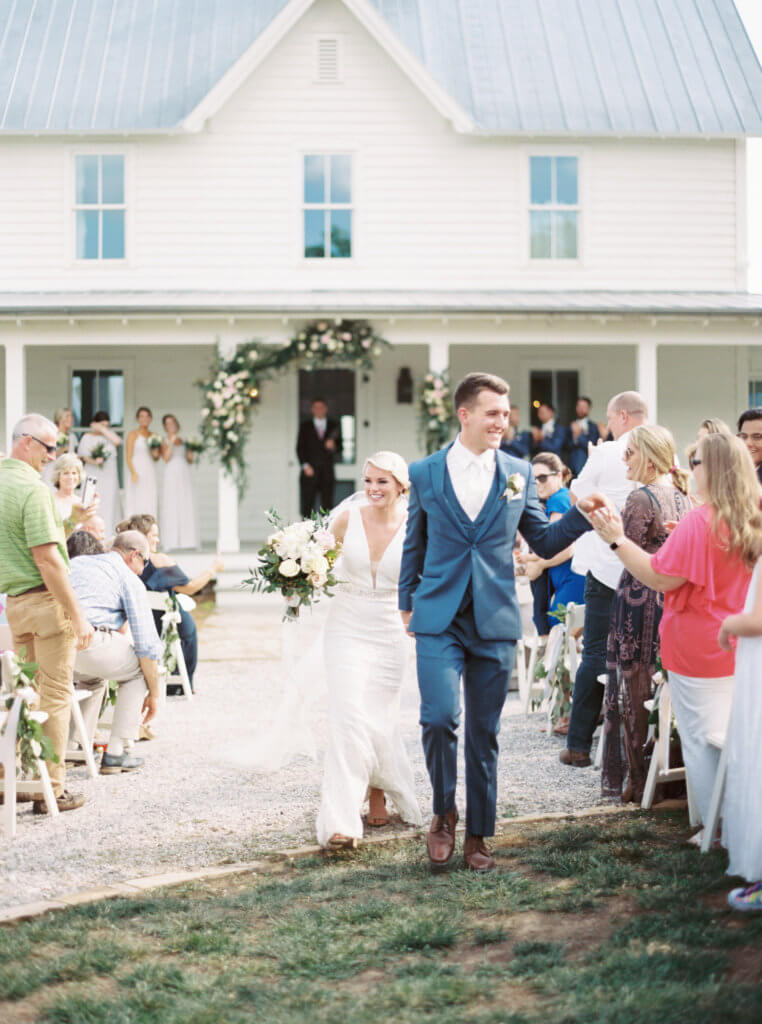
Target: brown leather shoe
(476,855)
(574,758)
(440,842)
(66,802)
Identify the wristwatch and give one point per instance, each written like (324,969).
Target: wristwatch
(615,544)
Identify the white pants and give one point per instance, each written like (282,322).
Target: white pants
(701,706)
(112,656)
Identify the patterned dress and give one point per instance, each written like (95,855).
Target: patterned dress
(633,643)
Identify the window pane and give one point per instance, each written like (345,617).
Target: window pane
(341,179)
(314,233)
(87,179)
(566,235)
(341,233)
(113,234)
(87,234)
(566,180)
(314,179)
(111,395)
(540,175)
(539,226)
(112,186)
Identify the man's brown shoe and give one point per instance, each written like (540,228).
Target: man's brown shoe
(66,802)
(440,841)
(574,758)
(476,855)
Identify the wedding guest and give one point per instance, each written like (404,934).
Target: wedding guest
(317,447)
(98,450)
(633,641)
(742,807)
(550,436)
(583,431)
(750,432)
(140,492)
(95,526)
(712,425)
(110,594)
(67,476)
(83,543)
(179,521)
(515,441)
(703,569)
(604,471)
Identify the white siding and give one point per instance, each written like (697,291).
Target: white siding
(434,209)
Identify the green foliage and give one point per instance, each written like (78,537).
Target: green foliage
(437,419)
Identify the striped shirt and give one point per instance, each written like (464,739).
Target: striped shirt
(28,519)
(110,594)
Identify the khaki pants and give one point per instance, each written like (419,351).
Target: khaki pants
(112,656)
(40,626)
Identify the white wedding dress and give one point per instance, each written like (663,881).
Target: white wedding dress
(742,808)
(141,498)
(367,652)
(178,519)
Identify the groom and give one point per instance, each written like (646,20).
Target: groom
(457,597)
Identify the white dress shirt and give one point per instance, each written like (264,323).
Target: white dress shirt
(320,426)
(471,476)
(548,428)
(604,471)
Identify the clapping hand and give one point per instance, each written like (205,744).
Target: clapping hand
(607,524)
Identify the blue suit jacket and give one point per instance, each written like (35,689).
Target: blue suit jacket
(441,555)
(555,442)
(578,447)
(520,446)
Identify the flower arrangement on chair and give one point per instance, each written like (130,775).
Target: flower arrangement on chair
(32,743)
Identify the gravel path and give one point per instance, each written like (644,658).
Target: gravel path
(191,805)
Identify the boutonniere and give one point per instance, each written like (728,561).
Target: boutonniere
(514,487)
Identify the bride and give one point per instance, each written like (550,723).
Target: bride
(366,655)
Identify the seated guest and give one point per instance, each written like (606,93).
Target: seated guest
(95,526)
(583,431)
(516,442)
(750,432)
(551,436)
(110,593)
(82,542)
(162,573)
(67,476)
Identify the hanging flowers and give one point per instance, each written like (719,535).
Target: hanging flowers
(436,417)
(233,387)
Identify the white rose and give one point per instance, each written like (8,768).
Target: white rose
(38,716)
(318,580)
(315,564)
(36,748)
(27,693)
(289,568)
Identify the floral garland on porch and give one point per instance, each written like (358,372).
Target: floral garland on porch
(436,416)
(233,388)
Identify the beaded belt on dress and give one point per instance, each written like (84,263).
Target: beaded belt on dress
(377,594)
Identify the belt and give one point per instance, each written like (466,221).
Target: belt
(373,594)
(32,590)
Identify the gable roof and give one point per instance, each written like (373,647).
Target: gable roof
(512,67)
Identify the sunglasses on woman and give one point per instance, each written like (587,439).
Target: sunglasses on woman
(542,478)
(693,462)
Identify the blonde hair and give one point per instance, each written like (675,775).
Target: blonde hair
(392,463)
(733,492)
(67,461)
(656,445)
(713,425)
(59,414)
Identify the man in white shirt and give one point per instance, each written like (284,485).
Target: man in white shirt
(604,471)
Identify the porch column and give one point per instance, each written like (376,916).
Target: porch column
(647,376)
(15,386)
(439,355)
(228,541)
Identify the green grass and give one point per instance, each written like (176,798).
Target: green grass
(607,921)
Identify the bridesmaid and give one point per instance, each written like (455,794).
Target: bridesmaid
(179,521)
(140,491)
(103,468)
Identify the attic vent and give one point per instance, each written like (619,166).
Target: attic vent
(327,60)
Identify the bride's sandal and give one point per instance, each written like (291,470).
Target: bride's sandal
(339,842)
(377,813)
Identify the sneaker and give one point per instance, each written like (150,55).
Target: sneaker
(111,764)
(749,898)
(66,802)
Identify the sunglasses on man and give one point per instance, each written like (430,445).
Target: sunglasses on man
(49,448)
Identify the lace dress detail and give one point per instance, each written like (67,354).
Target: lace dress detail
(366,656)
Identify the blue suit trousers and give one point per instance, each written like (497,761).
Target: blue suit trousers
(485,667)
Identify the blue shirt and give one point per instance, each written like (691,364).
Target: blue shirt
(111,594)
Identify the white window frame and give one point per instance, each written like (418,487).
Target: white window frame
(327,260)
(582,205)
(107,149)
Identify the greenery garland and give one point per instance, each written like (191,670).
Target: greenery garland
(437,420)
(233,387)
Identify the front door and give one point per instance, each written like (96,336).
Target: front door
(337,388)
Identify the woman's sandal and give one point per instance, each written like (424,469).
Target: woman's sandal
(339,842)
(376,820)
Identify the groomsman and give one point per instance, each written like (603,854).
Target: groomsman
(516,442)
(583,431)
(551,436)
(317,447)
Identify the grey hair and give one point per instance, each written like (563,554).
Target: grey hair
(131,540)
(33,423)
(67,461)
(631,402)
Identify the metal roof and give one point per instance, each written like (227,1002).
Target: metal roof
(384,303)
(576,67)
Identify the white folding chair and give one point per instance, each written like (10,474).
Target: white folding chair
(598,761)
(660,770)
(554,652)
(157,601)
(575,621)
(719,741)
(10,786)
(80,734)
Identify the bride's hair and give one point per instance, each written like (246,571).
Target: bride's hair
(392,463)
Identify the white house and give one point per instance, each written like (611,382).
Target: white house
(551,191)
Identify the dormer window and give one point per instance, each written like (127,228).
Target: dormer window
(554,207)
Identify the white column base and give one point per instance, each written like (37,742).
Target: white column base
(647,376)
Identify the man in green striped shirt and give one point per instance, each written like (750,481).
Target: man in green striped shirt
(42,610)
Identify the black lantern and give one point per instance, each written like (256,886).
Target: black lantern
(404,386)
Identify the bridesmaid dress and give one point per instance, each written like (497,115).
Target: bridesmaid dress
(141,498)
(107,480)
(178,520)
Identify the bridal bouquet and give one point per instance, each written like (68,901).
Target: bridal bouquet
(194,445)
(297,561)
(100,451)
